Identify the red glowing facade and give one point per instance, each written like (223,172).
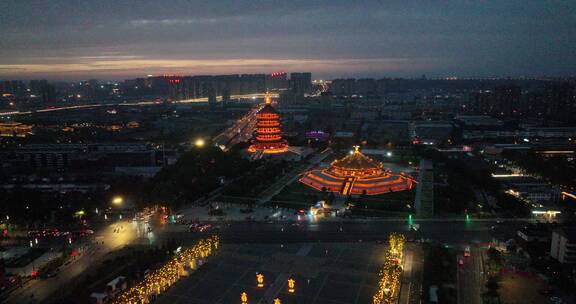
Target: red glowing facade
(356,174)
(268,137)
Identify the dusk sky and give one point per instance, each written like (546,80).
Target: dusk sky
(122,39)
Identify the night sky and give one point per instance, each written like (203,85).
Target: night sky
(61,39)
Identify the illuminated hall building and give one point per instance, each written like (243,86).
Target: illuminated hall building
(356,174)
(15,129)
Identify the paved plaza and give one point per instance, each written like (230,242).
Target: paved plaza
(324,273)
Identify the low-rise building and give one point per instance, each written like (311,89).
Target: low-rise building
(563,245)
(15,129)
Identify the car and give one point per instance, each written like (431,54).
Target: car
(50,274)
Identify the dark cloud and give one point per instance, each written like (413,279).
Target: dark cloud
(467,38)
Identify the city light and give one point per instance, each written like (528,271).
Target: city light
(132,150)
(117,200)
(548,212)
(199,143)
(158,281)
(291,285)
(391,271)
(268,138)
(567,194)
(356,174)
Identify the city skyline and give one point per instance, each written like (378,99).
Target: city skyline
(62,40)
(266,151)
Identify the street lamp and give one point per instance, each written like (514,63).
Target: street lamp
(291,285)
(199,143)
(117,200)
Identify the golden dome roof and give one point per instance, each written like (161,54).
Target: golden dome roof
(357,161)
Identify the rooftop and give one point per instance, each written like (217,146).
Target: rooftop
(357,161)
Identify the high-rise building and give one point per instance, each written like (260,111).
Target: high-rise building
(225,97)
(560,99)
(563,245)
(276,80)
(14,87)
(301,83)
(212,99)
(42,89)
(481,102)
(507,100)
(366,87)
(343,87)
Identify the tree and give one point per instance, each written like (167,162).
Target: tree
(492,286)
(194,175)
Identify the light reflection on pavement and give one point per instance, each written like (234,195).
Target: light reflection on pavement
(108,239)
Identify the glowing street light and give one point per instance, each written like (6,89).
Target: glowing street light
(277,301)
(161,279)
(199,143)
(117,200)
(244,298)
(260,280)
(291,285)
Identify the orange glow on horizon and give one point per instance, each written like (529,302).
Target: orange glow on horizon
(138,65)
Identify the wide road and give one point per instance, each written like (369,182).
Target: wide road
(108,104)
(411,280)
(114,236)
(309,230)
(241,131)
(470,277)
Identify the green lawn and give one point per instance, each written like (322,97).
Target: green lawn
(298,195)
(393,202)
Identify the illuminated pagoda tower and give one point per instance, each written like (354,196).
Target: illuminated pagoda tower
(268,139)
(356,174)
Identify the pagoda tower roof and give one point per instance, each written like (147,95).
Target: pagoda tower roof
(268,109)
